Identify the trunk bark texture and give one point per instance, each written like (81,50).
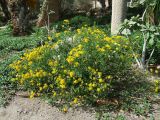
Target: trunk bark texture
(119,9)
(5,10)
(20,16)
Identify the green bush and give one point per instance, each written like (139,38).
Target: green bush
(74,23)
(74,66)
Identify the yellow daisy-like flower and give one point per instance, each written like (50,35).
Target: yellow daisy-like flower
(66,21)
(32,94)
(71,74)
(75,101)
(49,38)
(62,81)
(101,80)
(63,86)
(45,86)
(75,81)
(90,88)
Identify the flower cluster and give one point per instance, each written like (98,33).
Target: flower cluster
(75,71)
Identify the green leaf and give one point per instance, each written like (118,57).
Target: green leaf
(151,41)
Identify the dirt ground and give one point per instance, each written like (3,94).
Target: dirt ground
(35,109)
(22,108)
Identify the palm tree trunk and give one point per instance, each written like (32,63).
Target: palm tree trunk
(20,17)
(119,9)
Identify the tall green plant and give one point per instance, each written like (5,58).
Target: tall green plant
(152,10)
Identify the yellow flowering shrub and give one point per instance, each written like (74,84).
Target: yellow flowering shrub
(74,67)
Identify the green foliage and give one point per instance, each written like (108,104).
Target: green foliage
(80,21)
(141,33)
(109,116)
(10,50)
(7,88)
(152,9)
(76,68)
(74,23)
(10,44)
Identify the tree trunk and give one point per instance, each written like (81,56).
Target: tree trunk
(20,17)
(50,12)
(4,6)
(119,9)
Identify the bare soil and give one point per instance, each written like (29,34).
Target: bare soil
(23,108)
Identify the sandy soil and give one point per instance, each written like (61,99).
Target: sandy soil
(35,109)
(23,108)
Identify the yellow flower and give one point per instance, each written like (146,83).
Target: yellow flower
(89,68)
(80,46)
(90,88)
(50,63)
(66,21)
(86,40)
(98,90)
(75,101)
(77,55)
(101,50)
(108,46)
(38,84)
(75,81)
(32,94)
(70,59)
(54,93)
(57,34)
(109,77)
(99,74)
(54,70)
(63,86)
(49,38)
(156,89)
(93,85)
(40,88)
(76,64)
(32,82)
(65,109)
(65,71)
(45,86)
(62,81)
(78,31)
(71,74)
(157,81)
(101,80)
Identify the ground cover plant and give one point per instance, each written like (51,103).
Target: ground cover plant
(84,67)
(76,67)
(79,60)
(10,50)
